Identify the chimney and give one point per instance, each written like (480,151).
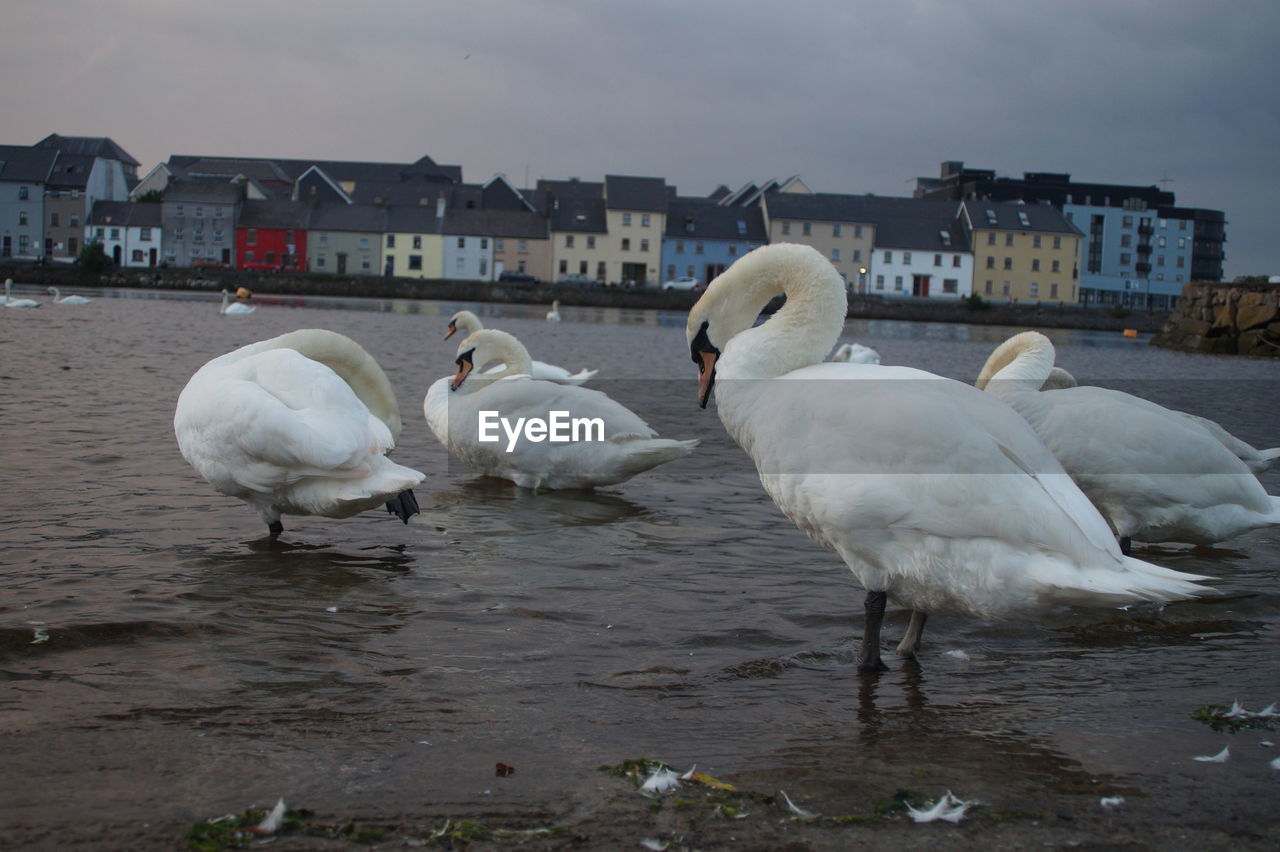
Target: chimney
(440,206)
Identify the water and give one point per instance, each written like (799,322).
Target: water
(163,662)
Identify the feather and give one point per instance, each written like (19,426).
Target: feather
(796,809)
(1111,801)
(663,780)
(947,808)
(1220,757)
(272,822)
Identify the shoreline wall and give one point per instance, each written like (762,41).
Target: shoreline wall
(861,306)
(1228,319)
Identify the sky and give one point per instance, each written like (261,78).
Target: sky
(854,96)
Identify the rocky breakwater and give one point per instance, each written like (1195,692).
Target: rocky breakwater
(1232,319)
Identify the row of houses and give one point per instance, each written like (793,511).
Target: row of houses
(963,233)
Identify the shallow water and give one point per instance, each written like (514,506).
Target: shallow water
(163,660)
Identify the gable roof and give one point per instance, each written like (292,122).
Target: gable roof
(87,146)
(125,214)
(71,171)
(1016,216)
(274,213)
(363,218)
(207,190)
(20,163)
(623,192)
(516,224)
(702,219)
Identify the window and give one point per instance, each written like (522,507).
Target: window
(991,261)
(897,282)
(1035,264)
(937,260)
(484,243)
(671,271)
(906,258)
(1159,260)
(1125,259)
(1126,240)
(1162,242)
(644,220)
(75,221)
(835,255)
(989,285)
(24,193)
(364,244)
(522,247)
(1008,263)
(835,230)
(679,246)
(733,249)
(199,235)
(568,240)
(806,229)
(251,237)
(857,255)
(137,255)
(786,228)
(415,262)
(626,244)
(991,238)
(249,257)
(699,248)
(1127,221)
(115,233)
(1008,239)
(601,271)
(391,240)
(217,236)
(177,233)
(591,242)
(324,239)
(626,218)
(1057,266)
(1182,242)
(1035,241)
(955,260)
(462,242)
(22,217)
(950,285)
(53,220)
(857,231)
(1057,242)
(1181,262)
(879,282)
(271,258)
(73,246)
(417,242)
(888,257)
(1035,290)
(582,267)
(644,245)
(177,211)
(320,260)
(688,270)
(144,235)
(1004,288)
(1053,291)
(199,212)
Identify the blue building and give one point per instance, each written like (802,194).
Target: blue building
(703,239)
(1133,256)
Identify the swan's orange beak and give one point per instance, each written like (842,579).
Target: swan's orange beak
(453,327)
(464,367)
(706,376)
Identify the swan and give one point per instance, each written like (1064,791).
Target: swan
(11,302)
(1154,473)
(300,424)
(1255,459)
(553,315)
(59,299)
(620,447)
(856,353)
(230,307)
(468,323)
(929,490)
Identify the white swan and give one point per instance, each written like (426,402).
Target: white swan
(234,308)
(929,490)
(553,315)
(11,302)
(297,425)
(1156,474)
(59,299)
(468,323)
(856,353)
(609,445)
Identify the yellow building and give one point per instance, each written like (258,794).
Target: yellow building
(1022,252)
(413,246)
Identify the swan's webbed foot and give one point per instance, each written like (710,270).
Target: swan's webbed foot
(910,643)
(869,654)
(1126,545)
(404,505)
(275,528)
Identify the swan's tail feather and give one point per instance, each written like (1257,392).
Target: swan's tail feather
(1267,458)
(581,376)
(404,505)
(1136,581)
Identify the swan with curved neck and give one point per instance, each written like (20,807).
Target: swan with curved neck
(58,298)
(233,308)
(615,445)
(1155,473)
(930,491)
(11,302)
(468,324)
(301,425)
(553,315)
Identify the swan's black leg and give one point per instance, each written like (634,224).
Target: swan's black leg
(869,654)
(275,528)
(404,505)
(1126,544)
(910,643)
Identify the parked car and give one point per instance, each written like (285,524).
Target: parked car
(684,282)
(580,280)
(515,276)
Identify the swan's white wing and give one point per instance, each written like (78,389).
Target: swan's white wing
(524,397)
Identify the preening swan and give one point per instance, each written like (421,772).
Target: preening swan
(297,425)
(932,492)
(1154,473)
(553,315)
(234,308)
(607,442)
(11,302)
(468,324)
(59,299)
(856,353)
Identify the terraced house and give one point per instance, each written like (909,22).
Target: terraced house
(704,238)
(635,220)
(1024,252)
(842,227)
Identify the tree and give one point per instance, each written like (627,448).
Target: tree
(93,257)
(152,196)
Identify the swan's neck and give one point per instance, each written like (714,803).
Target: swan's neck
(353,364)
(467,323)
(1026,357)
(799,334)
(515,361)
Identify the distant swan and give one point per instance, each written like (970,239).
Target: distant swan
(553,315)
(856,353)
(230,307)
(297,425)
(1154,473)
(931,492)
(621,446)
(11,302)
(468,324)
(59,299)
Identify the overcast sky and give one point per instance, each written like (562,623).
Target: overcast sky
(853,95)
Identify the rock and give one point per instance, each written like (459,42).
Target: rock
(1255,309)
